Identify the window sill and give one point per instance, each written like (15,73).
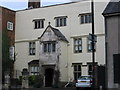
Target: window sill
(85,23)
(31,55)
(91,51)
(77,52)
(38,28)
(49,52)
(60,26)
(10,29)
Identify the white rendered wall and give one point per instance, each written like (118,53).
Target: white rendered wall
(25,32)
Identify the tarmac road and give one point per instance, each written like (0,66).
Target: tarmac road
(70,88)
(49,88)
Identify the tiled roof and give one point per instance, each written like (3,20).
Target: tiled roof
(57,33)
(112,8)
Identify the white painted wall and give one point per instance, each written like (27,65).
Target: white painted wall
(63,62)
(25,32)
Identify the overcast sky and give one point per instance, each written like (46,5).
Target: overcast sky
(22,4)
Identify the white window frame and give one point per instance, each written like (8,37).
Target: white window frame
(9,26)
(61,21)
(32,48)
(38,23)
(78,45)
(34,69)
(78,70)
(85,18)
(48,47)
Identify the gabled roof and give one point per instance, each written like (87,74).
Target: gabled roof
(112,8)
(57,33)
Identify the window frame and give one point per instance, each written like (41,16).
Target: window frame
(90,70)
(60,21)
(77,45)
(32,48)
(77,71)
(90,63)
(38,23)
(49,47)
(9,25)
(85,18)
(34,69)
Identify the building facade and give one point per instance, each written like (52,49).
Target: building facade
(7,27)
(112,40)
(55,38)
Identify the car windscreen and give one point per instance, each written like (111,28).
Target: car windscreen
(85,78)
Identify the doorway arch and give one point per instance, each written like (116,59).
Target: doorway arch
(49,72)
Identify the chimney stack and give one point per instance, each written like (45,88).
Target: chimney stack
(33,3)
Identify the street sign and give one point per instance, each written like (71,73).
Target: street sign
(91,46)
(92,37)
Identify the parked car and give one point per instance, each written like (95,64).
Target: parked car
(84,82)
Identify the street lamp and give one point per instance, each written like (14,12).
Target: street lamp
(93,38)
(93,50)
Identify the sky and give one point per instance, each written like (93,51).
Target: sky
(22,4)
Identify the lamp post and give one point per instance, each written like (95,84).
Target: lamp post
(93,50)
(93,38)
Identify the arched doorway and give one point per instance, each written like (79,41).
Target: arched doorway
(49,77)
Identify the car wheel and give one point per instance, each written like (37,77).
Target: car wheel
(77,88)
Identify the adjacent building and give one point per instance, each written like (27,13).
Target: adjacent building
(112,41)
(55,38)
(7,29)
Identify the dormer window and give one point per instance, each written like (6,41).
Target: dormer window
(49,47)
(38,23)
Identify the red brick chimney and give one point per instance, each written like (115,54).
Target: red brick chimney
(33,4)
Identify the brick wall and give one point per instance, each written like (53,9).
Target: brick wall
(8,15)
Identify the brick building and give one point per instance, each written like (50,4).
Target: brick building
(8,23)
(7,27)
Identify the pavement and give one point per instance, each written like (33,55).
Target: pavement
(45,88)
